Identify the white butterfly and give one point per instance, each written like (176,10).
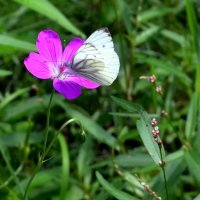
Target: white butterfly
(96,59)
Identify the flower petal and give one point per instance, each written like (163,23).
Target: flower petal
(68,89)
(50,47)
(37,67)
(82,81)
(71,49)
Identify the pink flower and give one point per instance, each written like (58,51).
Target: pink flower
(53,63)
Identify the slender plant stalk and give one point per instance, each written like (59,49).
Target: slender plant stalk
(162,165)
(58,132)
(41,158)
(11,170)
(47,123)
(47,148)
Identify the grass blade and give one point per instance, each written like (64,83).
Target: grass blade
(89,124)
(146,34)
(131,107)
(16,44)
(65,166)
(4,73)
(191,118)
(112,190)
(193,161)
(13,96)
(47,9)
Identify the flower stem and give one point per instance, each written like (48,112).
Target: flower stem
(162,165)
(41,158)
(47,123)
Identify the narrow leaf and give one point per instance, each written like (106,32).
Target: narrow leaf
(191,118)
(165,66)
(47,9)
(120,195)
(89,124)
(16,43)
(131,107)
(4,73)
(144,128)
(193,24)
(146,34)
(13,96)
(65,166)
(176,37)
(193,162)
(197,197)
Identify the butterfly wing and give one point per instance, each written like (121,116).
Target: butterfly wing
(96,60)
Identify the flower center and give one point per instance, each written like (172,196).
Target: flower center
(64,70)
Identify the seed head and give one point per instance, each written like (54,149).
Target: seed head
(152,78)
(154,122)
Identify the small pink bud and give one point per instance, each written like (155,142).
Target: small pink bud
(154,133)
(154,122)
(152,79)
(159,89)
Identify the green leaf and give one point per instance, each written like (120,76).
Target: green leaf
(158,12)
(46,180)
(4,73)
(12,194)
(193,162)
(28,106)
(193,24)
(65,166)
(166,67)
(133,160)
(144,128)
(17,44)
(120,195)
(133,115)
(146,34)
(131,107)
(17,139)
(197,197)
(175,155)
(88,123)
(191,118)
(176,37)
(12,96)
(85,157)
(47,9)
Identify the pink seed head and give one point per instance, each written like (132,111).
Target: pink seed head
(155,132)
(152,78)
(159,89)
(154,122)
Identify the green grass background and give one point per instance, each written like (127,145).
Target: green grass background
(158,37)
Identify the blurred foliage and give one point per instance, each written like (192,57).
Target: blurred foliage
(158,37)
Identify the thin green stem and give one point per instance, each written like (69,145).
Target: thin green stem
(47,123)
(163,170)
(11,170)
(58,132)
(41,158)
